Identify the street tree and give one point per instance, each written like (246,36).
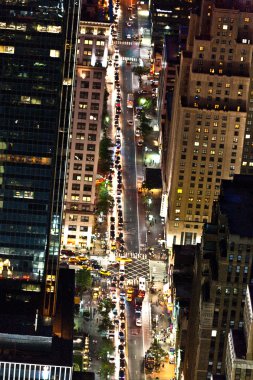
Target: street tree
(157,352)
(105,306)
(105,324)
(105,347)
(83,280)
(140,71)
(107,369)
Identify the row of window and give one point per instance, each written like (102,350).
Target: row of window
(95,85)
(83,116)
(75,218)
(77,198)
(82,126)
(72,227)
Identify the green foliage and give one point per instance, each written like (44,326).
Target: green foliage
(105,324)
(105,347)
(105,201)
(140,71)
(105,155)
(105,306)
(157,352)
(83,280)
(106,369)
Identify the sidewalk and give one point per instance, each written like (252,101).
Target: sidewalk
(161,332)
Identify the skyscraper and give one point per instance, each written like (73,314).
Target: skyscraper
(224,271)
(37,51)
(208,115)
(92,58)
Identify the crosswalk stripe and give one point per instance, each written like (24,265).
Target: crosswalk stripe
(132,59)
(123,42)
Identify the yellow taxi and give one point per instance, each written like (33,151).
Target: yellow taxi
(113,246)
(124,259)
(130,290)
(105,272)
(73,260)
(129,297)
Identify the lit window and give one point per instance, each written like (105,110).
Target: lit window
(177,211)
(179,191)
(246,19)
(225,27)
(54,53)
(214,333)
(247,136)
(251,164)
(196,143)
(201,48)
(242,59)
(7,49)
(212,71)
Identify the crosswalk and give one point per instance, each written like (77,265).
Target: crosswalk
(132,59)
(129,43)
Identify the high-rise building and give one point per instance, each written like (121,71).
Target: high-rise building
(92,58)
(37,50)
(167,17)
(223,271)
(239,353)
(209,112)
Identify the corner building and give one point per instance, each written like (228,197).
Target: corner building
(80,192)
(209,114)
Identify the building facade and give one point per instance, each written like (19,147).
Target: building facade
(92,56)
(225,270)
(239,358)
(209,113)
(37,61)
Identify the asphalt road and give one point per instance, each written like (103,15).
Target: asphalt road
(135,336)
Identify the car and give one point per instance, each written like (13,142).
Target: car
(140,143)
(116,50)
(120,213)
(121,334)
(138,314)
(129,24)
(122,307)
(129,297)
(128,36)
(112,235)
(130,18)
(138,322)
(116,57)
(122,293)
(112,226)
(121,374)
(111,334)
(114,298)
(122,326)
(122,363)
(129,8)
(121,350)
(137,132)
(105,273)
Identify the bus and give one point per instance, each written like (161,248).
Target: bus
(130,101)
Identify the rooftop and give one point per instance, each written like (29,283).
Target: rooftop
(251,294)
(93,10)
(236,202)
(239,344)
